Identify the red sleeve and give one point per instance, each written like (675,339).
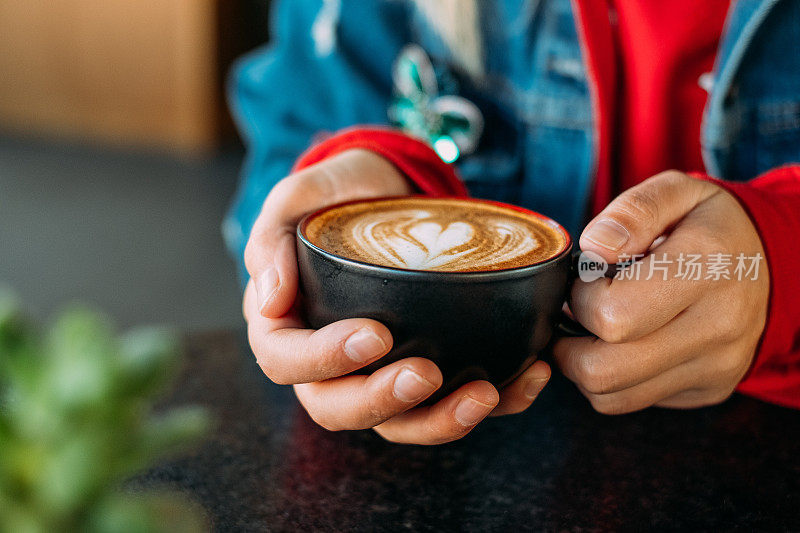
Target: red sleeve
(415,159)
(773,202)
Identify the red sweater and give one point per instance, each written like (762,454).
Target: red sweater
(662,50)
(656,107)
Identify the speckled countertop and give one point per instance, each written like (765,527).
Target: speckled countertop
(558,467)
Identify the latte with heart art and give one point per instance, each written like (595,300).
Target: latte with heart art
(449,235)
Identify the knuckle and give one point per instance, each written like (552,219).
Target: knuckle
(324,181)
(324,358)
(272,373)
(729,367)
(265,361)
(286,192)
(672,178)
(318,184)
(641,205)
(251,254)
(377,411)
(445,429)
(611,321)
(594,375)
(310,400)
(321,182)
(276,377)
(449,436)
(714,241)
(695,239)
(282,190)
(729,327)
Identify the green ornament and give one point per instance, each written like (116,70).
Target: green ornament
(451,124)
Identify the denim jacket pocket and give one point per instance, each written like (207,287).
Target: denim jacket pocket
(752,137)
(778,139)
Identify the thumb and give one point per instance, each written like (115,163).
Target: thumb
(270,255)
(638,216)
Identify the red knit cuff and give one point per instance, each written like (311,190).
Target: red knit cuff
(415,159)
(773,203)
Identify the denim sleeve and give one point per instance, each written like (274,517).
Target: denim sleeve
(328,67)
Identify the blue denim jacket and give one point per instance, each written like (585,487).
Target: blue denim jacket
(330,67)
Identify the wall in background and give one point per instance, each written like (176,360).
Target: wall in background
(138,73)
(109,194)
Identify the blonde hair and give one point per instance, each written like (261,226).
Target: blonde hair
(458,24)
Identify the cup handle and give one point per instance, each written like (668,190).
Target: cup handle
(567,326)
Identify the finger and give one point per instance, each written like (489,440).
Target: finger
(275,286)
(520,393)
(251,314)
(361,402)
(632,221)
(449,419)
(295,355)
(675,380)
(706,379)
(270,255)
(723,368)
(289,354)
(601,367)
(626,308)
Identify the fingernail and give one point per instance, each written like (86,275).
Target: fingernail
(534,387)
(608,233)
(364,345)
(410,386)
(470,411)
(267,287)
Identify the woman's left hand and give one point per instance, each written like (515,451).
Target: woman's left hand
(666,340)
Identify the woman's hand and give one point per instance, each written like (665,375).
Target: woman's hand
(316,362)
(670,342)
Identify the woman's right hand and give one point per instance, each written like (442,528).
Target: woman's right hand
(316,362)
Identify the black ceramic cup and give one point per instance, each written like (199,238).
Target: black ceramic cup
(474,325)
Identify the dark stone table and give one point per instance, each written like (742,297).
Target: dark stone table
(558,467)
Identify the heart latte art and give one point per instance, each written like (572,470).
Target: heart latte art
(435,234)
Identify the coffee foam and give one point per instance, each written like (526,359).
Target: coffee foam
(448,235)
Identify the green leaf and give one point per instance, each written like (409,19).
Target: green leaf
(75,422)
(18,353)
(82,360)
(148,360)
(75,472)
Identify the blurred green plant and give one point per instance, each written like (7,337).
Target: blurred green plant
(76,422)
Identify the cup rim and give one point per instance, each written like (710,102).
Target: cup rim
(301,236)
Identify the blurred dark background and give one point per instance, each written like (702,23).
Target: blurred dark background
(118,156)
